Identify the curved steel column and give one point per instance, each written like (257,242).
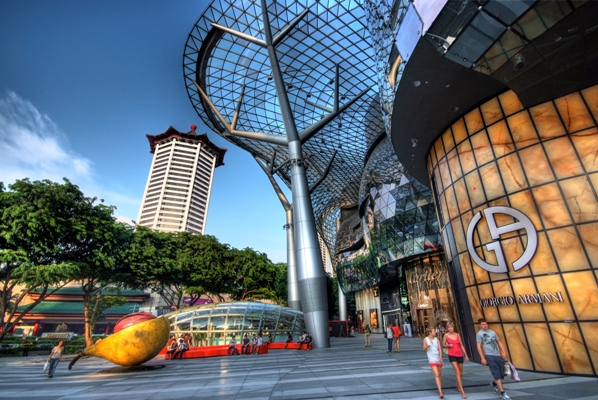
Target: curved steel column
(342,304)
(293,298)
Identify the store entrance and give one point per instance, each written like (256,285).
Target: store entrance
(424,320)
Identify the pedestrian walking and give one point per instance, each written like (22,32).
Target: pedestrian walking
(493,354)
(396,337)
(367,332)
(434,353)
(54,358)
(456,353)
(389,337)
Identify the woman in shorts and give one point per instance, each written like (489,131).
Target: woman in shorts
(456,352)
(434,352)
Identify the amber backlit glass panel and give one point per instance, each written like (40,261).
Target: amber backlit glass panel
(540,170)
(444,208)
(590,334)
(490,313)
(481,230)
(474,303)
(551,205)
(462,195)
(512,173)
(445,174)
(536,165)
(522,129)
(447,138)
(459,132)
(582,287)
(492,183)
(513,250)
(466,156)
(473,121)
(580,199)
(507,313)
(476,191)
(555,310)
(543,261)
(491,111)
(562,157)
(540,343)
(594,180)
(547,121)
(524,202)
(432,154)
(590,95)
(589,237)
(531,311)
(480,274)
(466,270)
(453,162)
(481,148)
(451,202)
(510,103)
(570,348)
(439,148)
(518,350)
(500,139)
(574,113)
(567,249)
(586,144)
(459,236)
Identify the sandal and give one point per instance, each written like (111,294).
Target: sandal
(463,396)
(441,395)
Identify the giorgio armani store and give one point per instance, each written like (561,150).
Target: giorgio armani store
(497,109)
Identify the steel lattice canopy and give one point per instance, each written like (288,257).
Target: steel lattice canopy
(331,33)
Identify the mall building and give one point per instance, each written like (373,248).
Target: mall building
(450,148)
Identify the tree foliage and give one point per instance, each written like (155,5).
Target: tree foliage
(42,230)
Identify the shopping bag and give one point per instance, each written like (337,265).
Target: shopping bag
(46,366)
(514,373)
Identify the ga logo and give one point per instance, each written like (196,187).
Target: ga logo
(495,232)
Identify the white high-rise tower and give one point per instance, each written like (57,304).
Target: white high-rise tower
(177,193)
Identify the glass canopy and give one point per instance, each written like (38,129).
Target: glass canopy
(331,34)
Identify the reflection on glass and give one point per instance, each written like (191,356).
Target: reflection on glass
(215,327)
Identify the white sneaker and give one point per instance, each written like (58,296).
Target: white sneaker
(505,396)
(495,388)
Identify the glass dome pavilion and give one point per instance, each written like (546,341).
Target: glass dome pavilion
(214,324)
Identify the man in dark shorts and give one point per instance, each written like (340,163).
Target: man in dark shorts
(493,355)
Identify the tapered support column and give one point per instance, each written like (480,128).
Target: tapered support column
(342,304)
(294,301)
(310,271)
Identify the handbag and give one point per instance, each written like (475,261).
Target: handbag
(514,373)
(46,366)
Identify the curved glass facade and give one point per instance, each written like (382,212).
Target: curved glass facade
(399,221)
(513,164)
(213,324)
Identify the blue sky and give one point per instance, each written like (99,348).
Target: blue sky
(83,82)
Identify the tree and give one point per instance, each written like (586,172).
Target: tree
(103,267)
(253,275)
(40,236)
(99,303)
(175,265)
(281,286)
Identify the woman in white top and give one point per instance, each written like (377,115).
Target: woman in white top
(389,337)
(434,351)
(55,357)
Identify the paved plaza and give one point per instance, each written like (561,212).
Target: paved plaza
(346,370)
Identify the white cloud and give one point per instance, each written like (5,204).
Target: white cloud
(33,146)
